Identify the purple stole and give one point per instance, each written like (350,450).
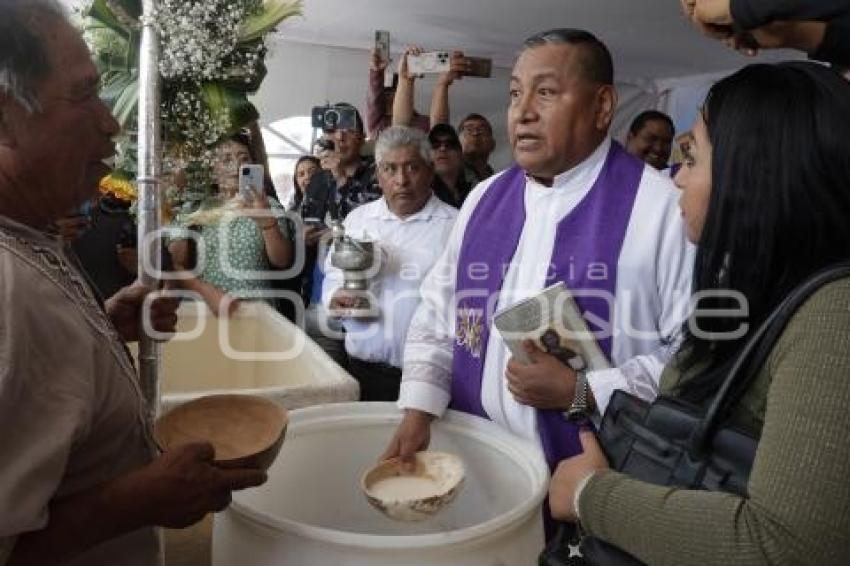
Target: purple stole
(589,236)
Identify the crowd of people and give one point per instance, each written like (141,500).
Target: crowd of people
(757,205)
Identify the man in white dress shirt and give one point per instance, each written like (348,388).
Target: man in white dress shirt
(597,218)
(410,226)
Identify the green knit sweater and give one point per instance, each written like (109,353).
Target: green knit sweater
(798,509)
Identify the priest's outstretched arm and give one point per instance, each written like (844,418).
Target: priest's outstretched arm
(428,351)
(429,346)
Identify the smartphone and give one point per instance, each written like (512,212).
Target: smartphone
(479,67)
(251,178)
(382,45)
(429,62)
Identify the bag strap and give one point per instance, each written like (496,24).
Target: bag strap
(761,342)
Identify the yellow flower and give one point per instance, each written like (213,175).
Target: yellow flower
(121,189)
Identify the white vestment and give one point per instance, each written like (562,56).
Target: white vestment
(653,284)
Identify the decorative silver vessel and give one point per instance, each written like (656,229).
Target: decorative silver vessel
(359,261)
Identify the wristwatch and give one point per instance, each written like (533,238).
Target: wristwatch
(578,408)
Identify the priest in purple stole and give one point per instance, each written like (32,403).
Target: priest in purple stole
(574,206)
(592,233)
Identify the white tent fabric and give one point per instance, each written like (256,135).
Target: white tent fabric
(679,98)
(660,60)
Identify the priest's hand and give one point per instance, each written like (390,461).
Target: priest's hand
(411,436)
(571,473)
(124,309)
(543,383)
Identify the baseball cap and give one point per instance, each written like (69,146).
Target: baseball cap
(444,132)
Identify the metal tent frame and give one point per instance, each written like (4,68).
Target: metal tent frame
(150,169)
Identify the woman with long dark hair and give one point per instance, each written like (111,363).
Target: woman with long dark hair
(305,168)
(766,196)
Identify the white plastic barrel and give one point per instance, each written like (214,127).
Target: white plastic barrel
(311,510)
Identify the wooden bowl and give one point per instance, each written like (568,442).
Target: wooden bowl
(245,430)
(414,495)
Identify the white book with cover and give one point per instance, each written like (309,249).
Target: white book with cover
(552,320)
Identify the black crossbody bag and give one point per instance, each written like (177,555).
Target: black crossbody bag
(670,442)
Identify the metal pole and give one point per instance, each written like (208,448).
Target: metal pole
(149,145)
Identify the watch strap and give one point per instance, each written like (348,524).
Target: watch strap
(578,408)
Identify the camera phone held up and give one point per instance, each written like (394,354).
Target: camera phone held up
(331,118)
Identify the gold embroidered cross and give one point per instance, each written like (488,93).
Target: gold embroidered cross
(469,330)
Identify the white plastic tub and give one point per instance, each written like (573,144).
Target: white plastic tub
(257,351)
(311,511)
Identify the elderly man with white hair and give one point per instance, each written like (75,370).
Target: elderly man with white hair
(411,227)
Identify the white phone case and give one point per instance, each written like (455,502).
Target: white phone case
(429,63)
(250,179)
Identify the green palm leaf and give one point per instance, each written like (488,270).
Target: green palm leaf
(125,90)
(100,12)
(221,99)
(274,12)
(112,50)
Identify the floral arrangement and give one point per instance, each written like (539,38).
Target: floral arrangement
(118,187)
(212,58)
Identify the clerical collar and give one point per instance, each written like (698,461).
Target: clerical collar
(594,161)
